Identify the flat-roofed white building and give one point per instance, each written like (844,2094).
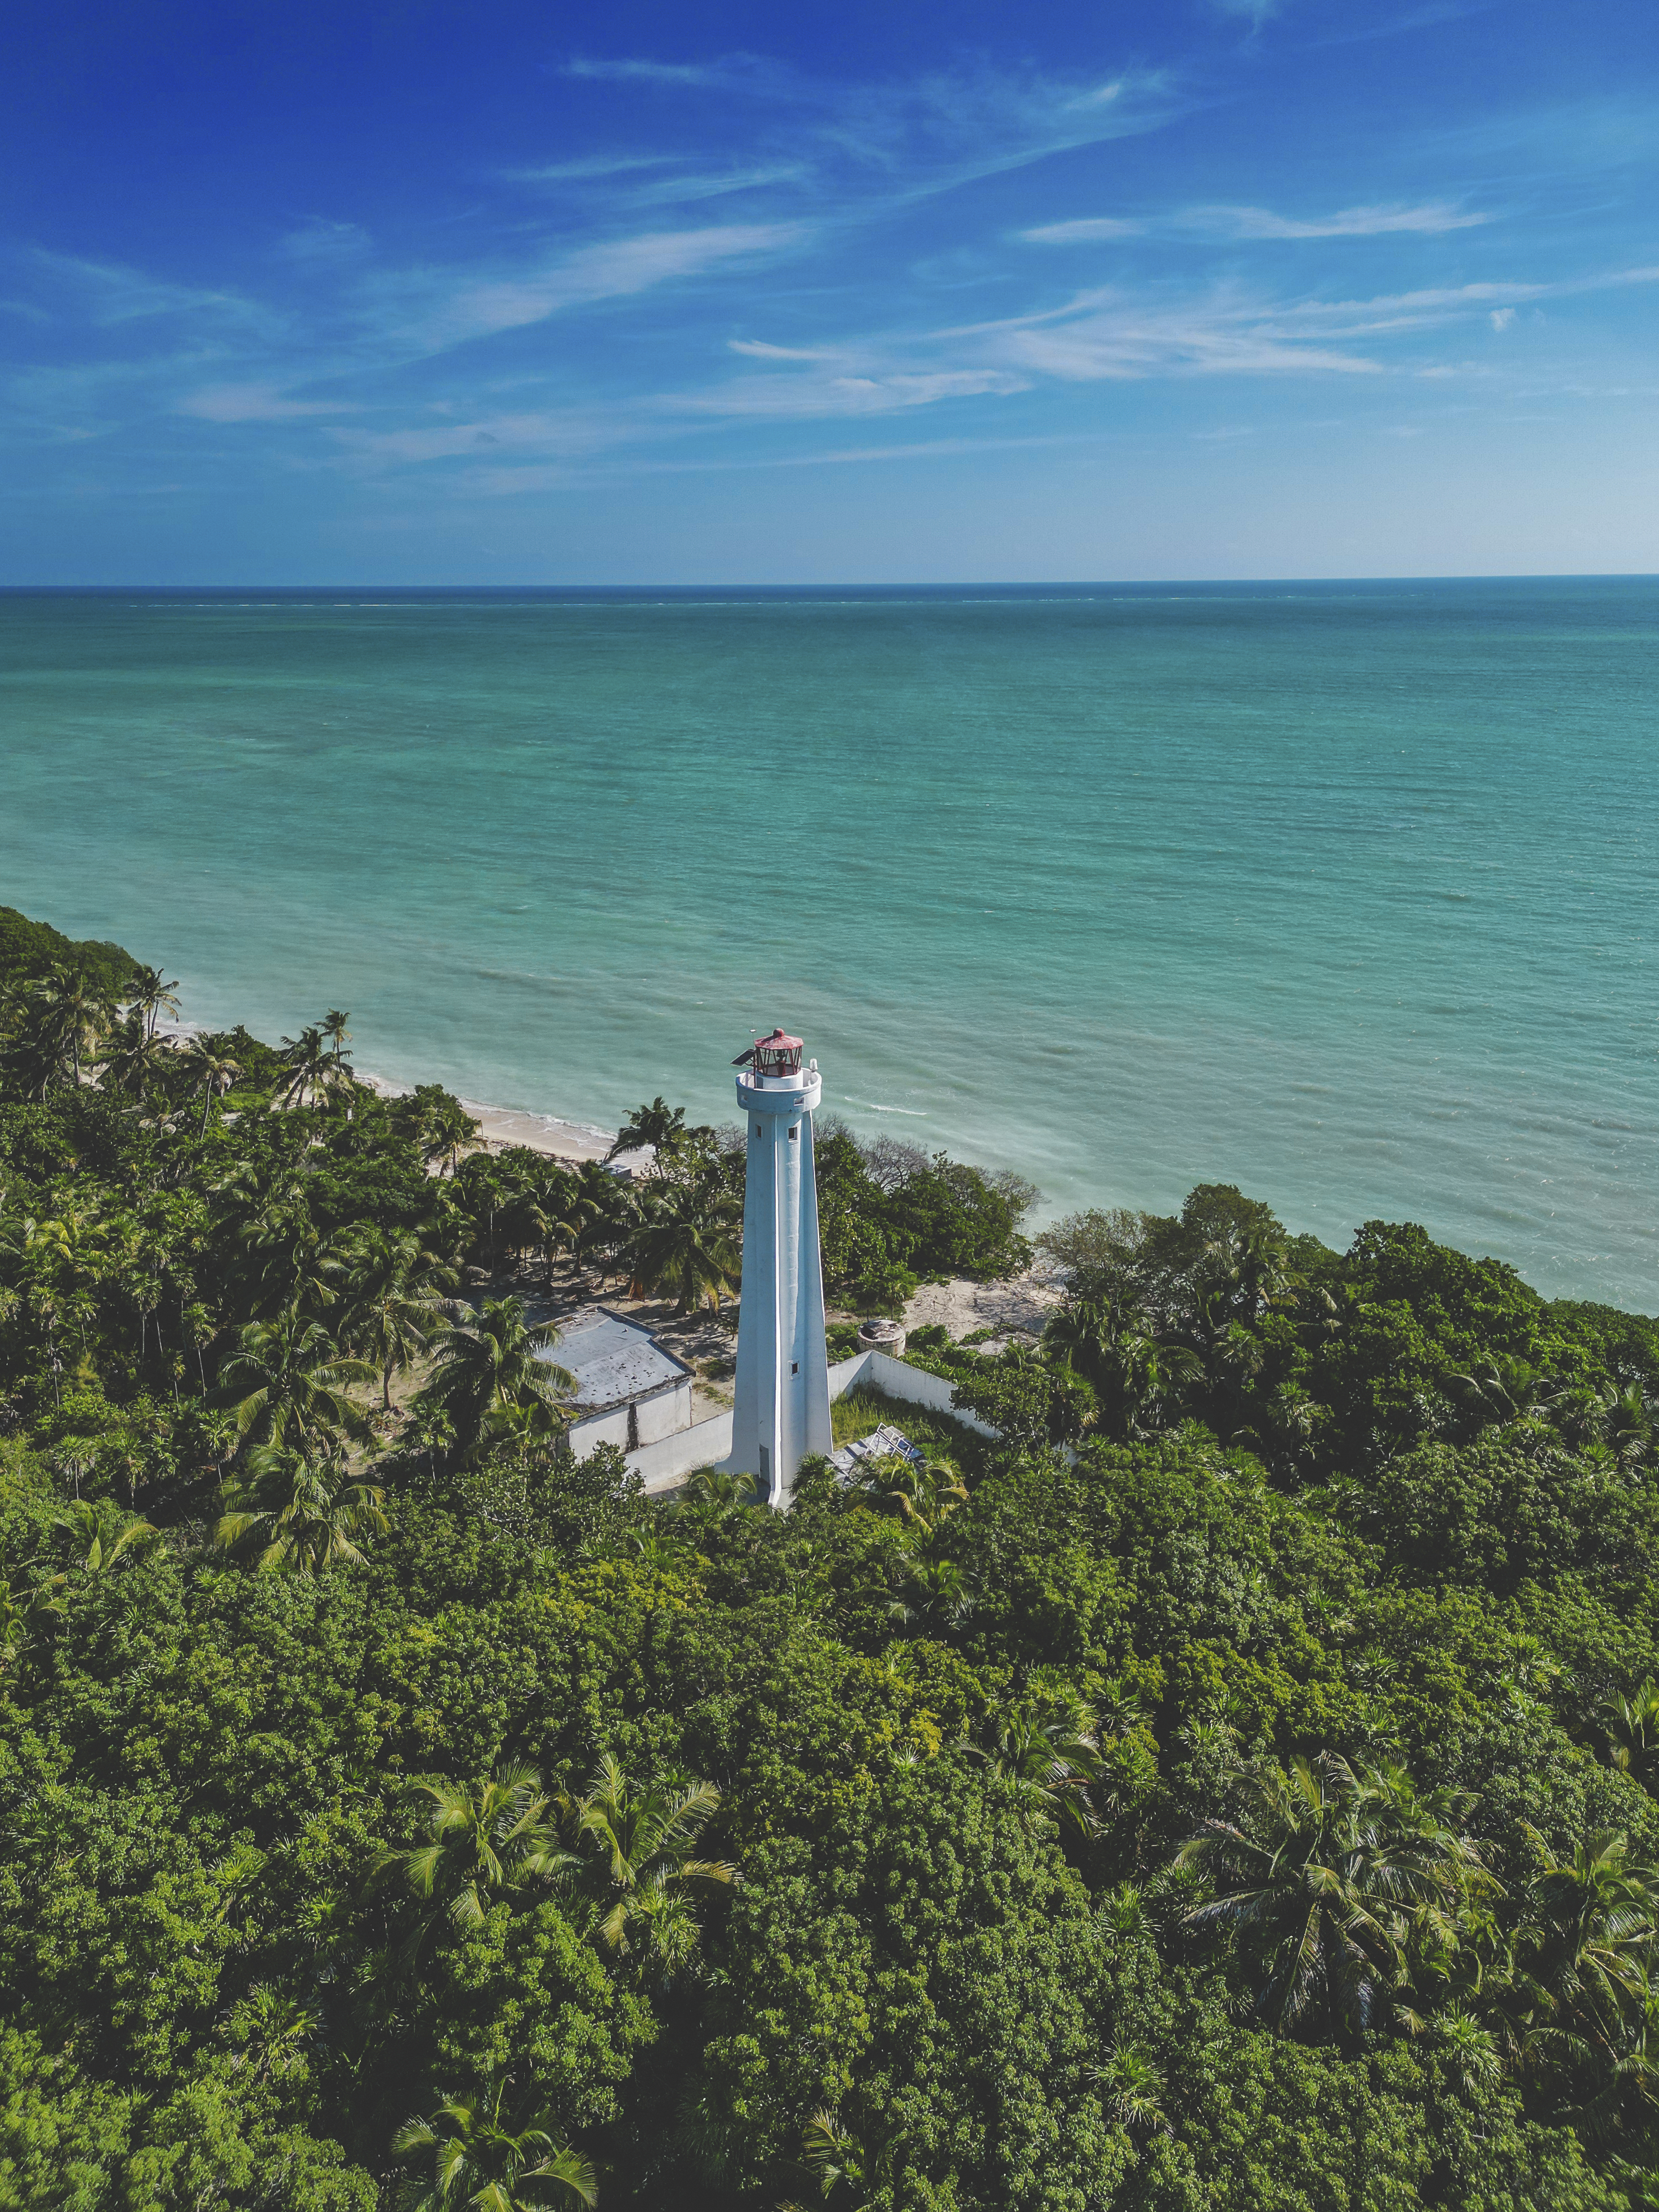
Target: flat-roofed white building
(628,1390)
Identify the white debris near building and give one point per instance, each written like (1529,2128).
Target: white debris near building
(884,1442)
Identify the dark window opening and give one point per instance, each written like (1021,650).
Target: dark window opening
(794,1367)
(794,1133)
(633,1428)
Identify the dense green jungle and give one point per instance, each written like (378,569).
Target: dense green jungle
(1232,1789)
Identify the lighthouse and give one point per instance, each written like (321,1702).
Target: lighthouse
(781,1410)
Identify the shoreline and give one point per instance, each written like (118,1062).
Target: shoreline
(503,1128)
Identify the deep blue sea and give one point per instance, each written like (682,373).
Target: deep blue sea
(1348,893)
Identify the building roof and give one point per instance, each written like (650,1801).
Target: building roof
(613,1360)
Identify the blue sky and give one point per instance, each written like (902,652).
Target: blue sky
(1211,288)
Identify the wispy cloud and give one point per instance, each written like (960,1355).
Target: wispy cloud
(594,168)
(761,351)
(452,312)
(320,240)
(1131,339)
(684,190)
(109,293)
(254,403)
(885,391)
(1256,13)
(1243,223)
(740,72)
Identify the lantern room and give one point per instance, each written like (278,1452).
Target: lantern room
(777,1056)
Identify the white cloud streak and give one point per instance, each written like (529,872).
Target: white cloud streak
(254,403)
(1255,223)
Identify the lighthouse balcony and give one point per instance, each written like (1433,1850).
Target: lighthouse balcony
(797,1093)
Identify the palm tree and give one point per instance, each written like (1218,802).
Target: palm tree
(134,1057)
(396,1296)
(483,2162)
(1138,1375)
(493,1362)
(1592,1923)
(1051,1756)
(270,2032)
(1339,1875)
(104,1533)
(488,1836)
(306,1513)
(922,1494)
(684,1245)
(644,1839)
(856,2173)
(445,1133)
(935,1594)
(333,1027)
(1631,1728)
(75,1012)
(211,1071)
(1134,2089)
(544,1215)
(150,998)
(717,1495)
(654,1128)
(603,1209)
(286,1380)
(311,1072)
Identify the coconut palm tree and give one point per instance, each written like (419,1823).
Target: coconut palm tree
(923,1494)
(1338,1877)
(311,1072)
(853,2172)
(286,1382)
(684,1245)
(302,1515)
(270,2032)
(150,998)
(333,1027)
(935,1594)
(603,1209)
(1052,1756)
(543,1215)
(643,1841)
(1590,1932)
(716,1495)
(397,1300)
(482,2161)
(1632,1727)
(209,1071)
(445,1133)
(1139,1376)
(488,1836)
(654,1128)
(104,1533)
(74,1014)
(494,1363)
(133,1058)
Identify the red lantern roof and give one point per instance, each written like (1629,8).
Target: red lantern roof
(777,1054)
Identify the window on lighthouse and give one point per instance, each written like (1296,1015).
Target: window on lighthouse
(794,1133)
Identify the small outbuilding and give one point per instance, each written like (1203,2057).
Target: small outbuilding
(628,1390)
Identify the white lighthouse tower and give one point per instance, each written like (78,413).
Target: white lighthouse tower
(783,1397)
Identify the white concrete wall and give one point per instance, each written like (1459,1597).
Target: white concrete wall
(666,1415)
(665,1464)
(897,1380)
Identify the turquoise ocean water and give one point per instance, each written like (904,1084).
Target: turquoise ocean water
(1346,893)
